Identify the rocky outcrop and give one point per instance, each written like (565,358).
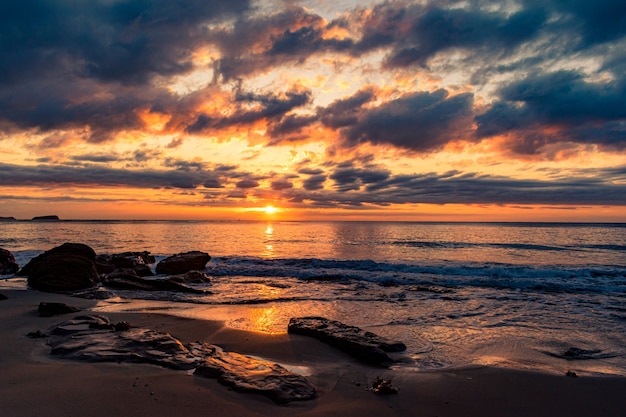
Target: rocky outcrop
(7,219)
(183,262)
(7,263)
(66,268)
(365,346)
(137,261)
(191,277)
(96,339)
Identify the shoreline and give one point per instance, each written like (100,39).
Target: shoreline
(35,383)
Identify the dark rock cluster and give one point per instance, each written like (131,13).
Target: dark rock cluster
(74,266)
(95,339)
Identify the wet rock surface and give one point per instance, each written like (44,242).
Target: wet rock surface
(246,374)
(135,261)
(183,262)
(96,339)
(66,268)
(365,346)
(127,280)
(7,263)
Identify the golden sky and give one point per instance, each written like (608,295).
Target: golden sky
(397,110)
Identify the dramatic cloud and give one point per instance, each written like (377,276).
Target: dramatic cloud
(317,104)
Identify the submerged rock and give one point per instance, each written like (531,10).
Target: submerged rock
(55,309)
(7,263)
(183,262)
(365,346)
(94,339)
(66,268)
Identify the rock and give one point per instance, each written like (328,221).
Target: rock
(191,277)
(383,387)
(36,335)
(55,309)
(365,346)
(66,268)
(127,280)
(94,339)
(3,297)
(183,262)
(7,263)
(7,219)
(246,374)
(137,261)
(51,218)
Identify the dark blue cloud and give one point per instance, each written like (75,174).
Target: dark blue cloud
(421,121)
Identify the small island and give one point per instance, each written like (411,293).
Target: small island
(7,219)
(50,218)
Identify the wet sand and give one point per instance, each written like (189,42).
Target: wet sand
(33,383)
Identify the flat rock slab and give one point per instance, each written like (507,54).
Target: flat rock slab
(247,374)
(55,309)
(365,346)
(95,339)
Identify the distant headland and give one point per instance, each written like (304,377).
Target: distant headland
(49,218)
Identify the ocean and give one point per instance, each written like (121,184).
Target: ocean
(540,296)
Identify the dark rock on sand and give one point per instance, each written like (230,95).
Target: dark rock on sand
(183,262)
(246,374)
(50,218)
(126,280)
(383,387)
(3,297)
(137,261)
(91,338)
(55,309)
(66,268)
(36,335)
(365,346)
(7,263)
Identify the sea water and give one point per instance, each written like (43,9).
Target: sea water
(544,296)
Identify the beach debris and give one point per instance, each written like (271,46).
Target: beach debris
(365,346)
(55,309)
(66,268)
(36,335)
(383,387)
(571,373)
(95,339)
(183,262)
(7,263)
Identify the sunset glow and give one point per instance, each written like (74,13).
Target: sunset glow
(308,110)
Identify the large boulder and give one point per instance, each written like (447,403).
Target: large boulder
(7,263)
(365,346)
(66,268)
(183,262)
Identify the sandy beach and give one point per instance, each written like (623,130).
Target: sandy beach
(34,383)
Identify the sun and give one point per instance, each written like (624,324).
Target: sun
(270,209)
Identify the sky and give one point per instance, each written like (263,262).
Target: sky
(336,110)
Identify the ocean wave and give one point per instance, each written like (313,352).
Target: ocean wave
(569,279)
